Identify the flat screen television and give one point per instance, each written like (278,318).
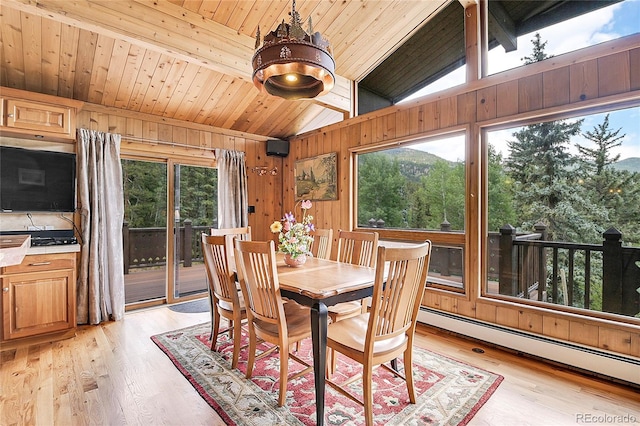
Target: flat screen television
(37,181)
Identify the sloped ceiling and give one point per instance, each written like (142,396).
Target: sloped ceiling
(190,59)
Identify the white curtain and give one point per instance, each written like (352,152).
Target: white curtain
(233,202)
(100,287)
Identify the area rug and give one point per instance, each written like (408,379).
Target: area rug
(449,392)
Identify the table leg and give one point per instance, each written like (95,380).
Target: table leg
(319,339)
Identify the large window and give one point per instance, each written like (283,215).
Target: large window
(414,186)
(556,190)
(416,191)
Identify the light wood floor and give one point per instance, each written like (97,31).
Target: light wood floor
(114,374)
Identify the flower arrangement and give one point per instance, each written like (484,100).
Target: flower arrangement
(294,238)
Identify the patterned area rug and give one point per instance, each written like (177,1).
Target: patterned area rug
(449,392)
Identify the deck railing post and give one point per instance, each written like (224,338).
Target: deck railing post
(126,250)
(541,229)
(188,236)
(506,281)
(612,271)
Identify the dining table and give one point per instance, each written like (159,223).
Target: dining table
(320,283)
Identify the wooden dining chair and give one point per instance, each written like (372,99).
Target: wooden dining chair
(387,330)
(357,248)
(227,302)
(322,243)
(269,318)
(243,233)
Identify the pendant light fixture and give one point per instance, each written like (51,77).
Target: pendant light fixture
(293,63)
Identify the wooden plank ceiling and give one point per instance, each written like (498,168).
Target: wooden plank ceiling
(190,59)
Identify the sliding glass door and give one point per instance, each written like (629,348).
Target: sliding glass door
(195,211)
(166,199)
(144,231)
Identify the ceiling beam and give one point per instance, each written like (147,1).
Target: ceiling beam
(171,30)
(502,26)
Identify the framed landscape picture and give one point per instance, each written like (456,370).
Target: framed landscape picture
(317,178)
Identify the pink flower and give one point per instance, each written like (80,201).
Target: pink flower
(306,204)
(286,226)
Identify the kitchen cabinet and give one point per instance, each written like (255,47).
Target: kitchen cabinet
(37,116)
(39,297)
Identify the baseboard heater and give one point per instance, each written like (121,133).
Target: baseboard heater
(583,358)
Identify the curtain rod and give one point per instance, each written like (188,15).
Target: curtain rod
(159,142)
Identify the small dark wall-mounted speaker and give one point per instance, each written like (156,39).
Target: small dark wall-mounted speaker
(278,147)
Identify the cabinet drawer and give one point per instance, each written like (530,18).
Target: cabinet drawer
(42,262)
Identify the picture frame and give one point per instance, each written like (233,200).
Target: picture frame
(316,178)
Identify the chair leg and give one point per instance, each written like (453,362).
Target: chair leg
(212,310)
(231,327)
(237,336)
(408,374)
(252,353)
(214,329)
(367,394)
(284,372)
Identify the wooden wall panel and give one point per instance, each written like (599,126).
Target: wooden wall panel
(586,334)
(634,64)
(555,327)
(486,103)
(507,98)
(555,87)
(530,93)
(466,106)
(615,340)
(486,312)
(507,316)
(614,75)
(583,81)
(530,321)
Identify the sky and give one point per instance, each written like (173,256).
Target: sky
(596,27)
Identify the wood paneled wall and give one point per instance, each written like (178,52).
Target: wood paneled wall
(585,81)
(149,136)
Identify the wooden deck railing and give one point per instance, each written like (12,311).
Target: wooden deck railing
(147,247)
(598,277)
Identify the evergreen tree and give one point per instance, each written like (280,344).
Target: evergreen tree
(538,53)
(145,193)
(618,191)
(542,170)
(198,203)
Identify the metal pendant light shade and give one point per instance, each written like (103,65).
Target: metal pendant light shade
(293,63)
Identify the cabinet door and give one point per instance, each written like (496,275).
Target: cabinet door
(37,303)
(34,116)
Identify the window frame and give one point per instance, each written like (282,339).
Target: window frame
(458,239)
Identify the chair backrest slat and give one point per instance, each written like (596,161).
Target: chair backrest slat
(357,248)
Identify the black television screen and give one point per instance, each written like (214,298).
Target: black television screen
(34,181)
